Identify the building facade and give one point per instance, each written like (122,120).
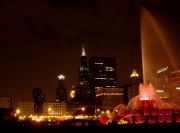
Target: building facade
(103,72)
(83,92)
(39,99)
(54,108)
(26,108)
(174,90)
(5,102)
(109,98)
(163,83)
(103,81)
(135,80)
(61,90)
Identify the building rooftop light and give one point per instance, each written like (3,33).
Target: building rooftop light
(134,74)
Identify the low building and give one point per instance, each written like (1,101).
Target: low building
(108,98)
(25,108)
(5,102)
(54,108)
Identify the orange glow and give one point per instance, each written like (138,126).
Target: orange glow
(155,45)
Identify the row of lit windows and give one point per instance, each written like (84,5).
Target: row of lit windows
(109,68)
(109,94)
(105,78)
(98,63)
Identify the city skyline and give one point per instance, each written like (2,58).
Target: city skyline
(40,40)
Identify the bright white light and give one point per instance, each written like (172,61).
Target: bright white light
(144,98)
(177,88)
(37,119)
(159,90)
(61,77)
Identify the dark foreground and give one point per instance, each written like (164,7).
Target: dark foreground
(156,128)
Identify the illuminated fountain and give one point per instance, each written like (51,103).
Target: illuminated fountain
(147,107)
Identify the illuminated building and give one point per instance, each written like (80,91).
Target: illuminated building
(135,81)
(54,108)
(5,102)
(103,72)
(61,90)
(26,108)
(175,86)
(163,78)
(103,81)
(84,93)
(109,98)
(83,70)
(39,99)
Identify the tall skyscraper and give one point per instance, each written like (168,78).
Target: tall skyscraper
(82,95)
(39,99)
(84,92)
(103,72)
(83,70)
(163,82)
(61,90)
(103,81)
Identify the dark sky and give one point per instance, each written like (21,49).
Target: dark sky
(41,38)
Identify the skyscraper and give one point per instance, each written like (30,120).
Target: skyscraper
(163,82)
(39,99)
(61,90)
(135,81)
(174,88)
(103,72)
(103,80)
(84,92)
(83,70)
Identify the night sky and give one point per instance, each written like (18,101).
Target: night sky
(40,39)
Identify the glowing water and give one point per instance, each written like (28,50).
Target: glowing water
(156,50)
(155,54)
(146,95)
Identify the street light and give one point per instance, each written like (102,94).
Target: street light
(83,108)
(49,111)
(18,111)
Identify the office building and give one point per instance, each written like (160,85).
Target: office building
(83,91)
(103,72)
(61,90)
(103,81)
(135,80)
(5,102)
(163,82)
(39,99)
(54,108)
(174,89)
(26,108)
(109,98)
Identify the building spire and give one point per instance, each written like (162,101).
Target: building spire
(83,51)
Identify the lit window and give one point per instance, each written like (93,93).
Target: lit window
(98,63)
(109,68)
(159,90)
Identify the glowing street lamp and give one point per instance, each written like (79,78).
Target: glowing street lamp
(49,110)
(107,112)
(18,111)
(83,108)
